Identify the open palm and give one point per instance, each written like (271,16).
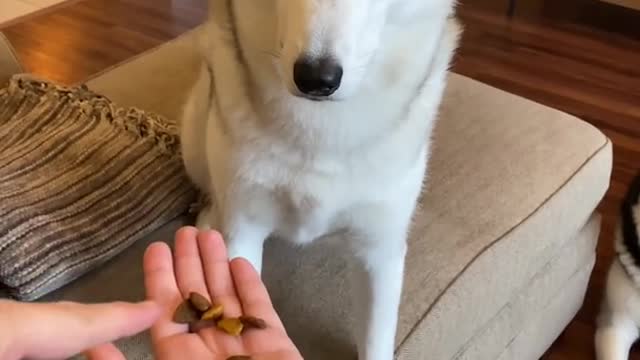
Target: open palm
(200,264)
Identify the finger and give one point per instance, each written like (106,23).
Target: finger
(106,351)
(160,285)
(85,326)
(189,269)
(253,295)
(189,272)
(217,274)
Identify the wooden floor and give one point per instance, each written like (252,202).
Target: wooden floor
(572,55)
(75,41)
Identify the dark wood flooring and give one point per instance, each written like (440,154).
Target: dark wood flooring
(79,38)
(579,56)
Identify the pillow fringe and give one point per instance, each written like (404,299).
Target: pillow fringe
(144,125)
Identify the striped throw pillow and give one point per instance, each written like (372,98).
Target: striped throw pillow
(81,179)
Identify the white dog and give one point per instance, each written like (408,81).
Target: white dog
(313,118)
(619,318)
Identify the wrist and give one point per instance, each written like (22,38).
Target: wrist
(9,347)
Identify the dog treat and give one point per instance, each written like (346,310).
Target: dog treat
(232,326)
(214,313)
(199,302)
(239,357)
(199,313)
(185,313)
(253,322)
(198,325)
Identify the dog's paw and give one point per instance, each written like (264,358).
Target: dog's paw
(205,220)
(203,207)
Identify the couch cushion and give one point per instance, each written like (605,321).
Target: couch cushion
(533,300)
(510,183)
(535,336)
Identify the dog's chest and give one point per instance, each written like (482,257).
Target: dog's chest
(303,216)
(311,199)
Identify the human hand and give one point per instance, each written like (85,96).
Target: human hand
(200,264)
(63,329)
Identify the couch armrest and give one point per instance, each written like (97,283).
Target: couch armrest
(157,80)
(9,64)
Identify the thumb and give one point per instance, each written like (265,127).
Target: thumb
(58,330)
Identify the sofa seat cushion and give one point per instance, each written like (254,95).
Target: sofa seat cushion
(510,182)
(564,277)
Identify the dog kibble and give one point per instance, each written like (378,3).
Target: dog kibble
(232,326)
(253,322)
(214,313)
(185,313)
(199,302)
(199,313)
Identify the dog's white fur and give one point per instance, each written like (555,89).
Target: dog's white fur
(619,318)
(275,163)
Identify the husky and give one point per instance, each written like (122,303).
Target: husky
(619,318)
(312,119)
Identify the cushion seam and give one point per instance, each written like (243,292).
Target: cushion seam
(578,271)
(499,238)
(544,269)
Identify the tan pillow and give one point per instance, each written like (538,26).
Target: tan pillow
(81,179)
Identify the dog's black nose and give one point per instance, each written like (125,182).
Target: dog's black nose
(317,77)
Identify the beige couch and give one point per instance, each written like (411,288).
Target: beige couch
(500,254)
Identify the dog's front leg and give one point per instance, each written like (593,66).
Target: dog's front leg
(245,238)
(377,287)
(617,329)
(244,215)
(614,340)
